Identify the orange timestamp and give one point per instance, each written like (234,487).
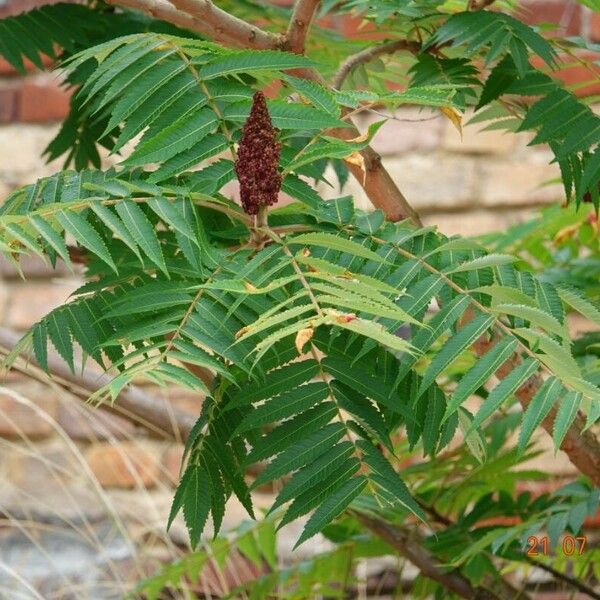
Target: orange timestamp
(570,546)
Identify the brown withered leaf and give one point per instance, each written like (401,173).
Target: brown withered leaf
(303,337)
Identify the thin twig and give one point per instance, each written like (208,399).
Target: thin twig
(371,53)
(410,548)
(582,587)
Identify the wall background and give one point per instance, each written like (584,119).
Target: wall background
(91,464)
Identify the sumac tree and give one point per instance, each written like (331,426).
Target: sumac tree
(337,340)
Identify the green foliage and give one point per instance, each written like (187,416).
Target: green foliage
(347,290)
(339,343)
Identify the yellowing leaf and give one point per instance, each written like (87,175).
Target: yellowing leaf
(303,337)
(356,158)
(361,138)
(454,116)
(250,287)
(241,332)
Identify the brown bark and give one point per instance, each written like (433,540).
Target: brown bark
(302,16)
(404,542)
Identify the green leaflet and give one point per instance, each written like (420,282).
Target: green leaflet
(40,344)
(332,507)
(481,372)
(454,347)
(367,384)
(174,139)
(326,487)
(172,213)
(504,390)
(196,502)
(278,318)
(319,265)
(285,405)
(86,235)
(301,453)
(277,381)
(142,231)
(373,331)
(502,294)
(472,435)
(112,221)
(202,150)
(565,415)
(580,304)
(554,355)
(482,262)
(436,407)
(319,96)
(60,336)
(286,115)
(334,242)
(249,61)
(290,432)
(443,320)
(361,304)
(151,297)
(181,376)
(533,315)
(366,414)
(391,487)
(314,473)
(53,238)
(538,408)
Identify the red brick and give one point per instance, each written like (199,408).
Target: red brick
(9,101)
(7,69)
(40,103)
(577,74)
(595,27)
(125,465)
(565,14)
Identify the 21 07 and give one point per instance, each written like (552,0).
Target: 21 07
(570,545)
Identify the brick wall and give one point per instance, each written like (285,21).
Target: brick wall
(479,183)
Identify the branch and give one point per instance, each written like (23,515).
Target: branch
(206,19)
(164,10)
(224,27)
(133,403)
(203,17)
(582,587)
(295,38)
(369,54)
(400,539)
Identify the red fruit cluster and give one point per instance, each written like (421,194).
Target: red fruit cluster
(257,160)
